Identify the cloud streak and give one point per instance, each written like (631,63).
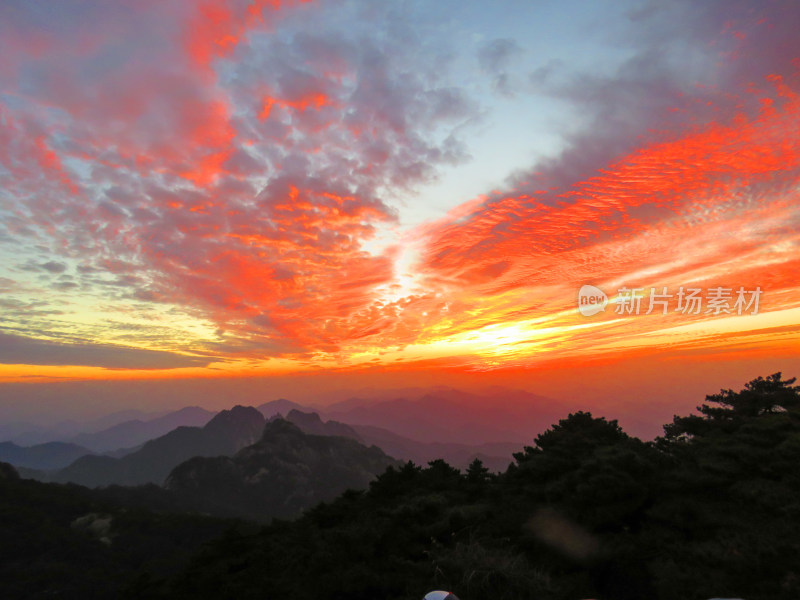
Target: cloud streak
(20,350)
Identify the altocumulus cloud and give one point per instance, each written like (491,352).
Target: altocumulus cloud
(234,171)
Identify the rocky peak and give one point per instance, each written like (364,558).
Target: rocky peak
(243,423)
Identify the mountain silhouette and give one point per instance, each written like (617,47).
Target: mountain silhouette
(494,456)
(135,432)
(30,434)
(282,406)
(311,423)
(283,473)
(446,415)
(226,433)
(52,455)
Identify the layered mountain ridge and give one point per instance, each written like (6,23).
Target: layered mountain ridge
(225,434)
(284,472)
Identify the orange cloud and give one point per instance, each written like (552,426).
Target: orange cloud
(217,27)
(249,193)
(715,206)
(311,99)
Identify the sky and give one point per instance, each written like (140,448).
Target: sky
(343,194)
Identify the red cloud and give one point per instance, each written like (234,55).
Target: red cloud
(246,191)
(712,207)
(217,27)
(706,172)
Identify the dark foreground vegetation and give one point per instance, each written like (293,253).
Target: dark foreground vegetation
(711,509)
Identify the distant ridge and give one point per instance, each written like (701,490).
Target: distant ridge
(311,423)
(51,455)
(282,407)
(29,434)
(495,456)
(136,432)
(446,415)
(281,474)
(229,431)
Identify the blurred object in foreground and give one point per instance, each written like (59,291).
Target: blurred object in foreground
(563,535)
(439,595)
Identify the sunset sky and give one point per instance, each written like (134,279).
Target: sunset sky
(370,193)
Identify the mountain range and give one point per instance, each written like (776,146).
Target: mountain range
(284,472)
(495,456)
(446,415)
(226,433)
(50,455)
(135,432)
(420,425)
(27,434)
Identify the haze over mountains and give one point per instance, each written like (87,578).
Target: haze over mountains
(598,512)
(450,415)
(50,455)
(132,433)
(237,465)
(495,457)
(419,425)
(225,434)
(117,440)
(284,472)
